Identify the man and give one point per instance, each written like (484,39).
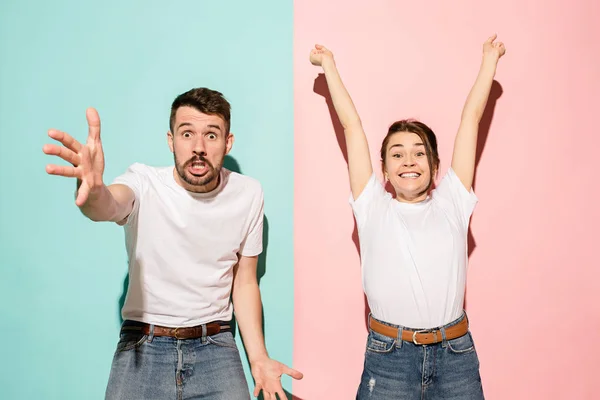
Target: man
(193,236)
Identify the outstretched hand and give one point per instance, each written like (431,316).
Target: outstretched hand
(493,49)
(267,376)
(87,160)
(318,54)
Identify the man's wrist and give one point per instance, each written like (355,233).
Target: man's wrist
(258,357)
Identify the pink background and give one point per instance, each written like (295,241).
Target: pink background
(533,279)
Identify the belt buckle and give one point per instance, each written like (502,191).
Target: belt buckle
(175,333)
(414,336)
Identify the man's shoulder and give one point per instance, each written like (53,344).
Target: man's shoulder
(145,169)
(245,182)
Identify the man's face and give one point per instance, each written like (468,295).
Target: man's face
(199,144)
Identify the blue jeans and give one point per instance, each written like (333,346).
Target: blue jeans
(147,368)
(397,369)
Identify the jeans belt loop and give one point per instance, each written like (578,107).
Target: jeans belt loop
(444,340)
(399,338)
(151,335)
(204,331)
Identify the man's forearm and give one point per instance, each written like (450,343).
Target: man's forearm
(248,313)
(100,205)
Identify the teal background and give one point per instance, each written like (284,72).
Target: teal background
(62,276)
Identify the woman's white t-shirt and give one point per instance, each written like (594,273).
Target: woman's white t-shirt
(414,255)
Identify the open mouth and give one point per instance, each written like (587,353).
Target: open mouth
(409,175)
(198,167)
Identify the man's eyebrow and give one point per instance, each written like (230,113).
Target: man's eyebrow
(184,124)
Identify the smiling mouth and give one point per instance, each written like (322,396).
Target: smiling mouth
(410,175)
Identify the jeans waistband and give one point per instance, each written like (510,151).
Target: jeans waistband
(192,332)
(452,330)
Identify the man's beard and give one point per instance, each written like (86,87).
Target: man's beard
(193,180)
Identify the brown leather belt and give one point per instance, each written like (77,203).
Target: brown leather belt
(421,336)
(192,332)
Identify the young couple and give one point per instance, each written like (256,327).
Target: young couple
(194,232)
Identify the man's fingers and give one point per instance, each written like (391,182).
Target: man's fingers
(293,373)
(257,389)
(492,38)
(64,153)
(281,394)
(67,140)
(82,194)
(93,120)
(61,170)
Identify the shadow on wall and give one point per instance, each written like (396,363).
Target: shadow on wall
(484,130)
(291,396)
(123,297)
(288,395)
(320,88)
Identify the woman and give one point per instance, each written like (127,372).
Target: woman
(414,247)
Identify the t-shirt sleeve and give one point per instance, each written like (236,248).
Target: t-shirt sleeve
(253,243)
(133,178)
(368,200)
(458,199)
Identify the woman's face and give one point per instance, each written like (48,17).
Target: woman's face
(407,167)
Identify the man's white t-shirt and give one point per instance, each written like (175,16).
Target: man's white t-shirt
(182,246)
(414,255)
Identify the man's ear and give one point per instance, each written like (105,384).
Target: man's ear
(170,141)
(229,142)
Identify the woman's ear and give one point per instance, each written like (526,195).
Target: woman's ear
(385,174)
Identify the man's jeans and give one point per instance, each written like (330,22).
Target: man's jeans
(148,368)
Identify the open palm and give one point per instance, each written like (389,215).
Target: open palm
(87,160)
(267,375)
